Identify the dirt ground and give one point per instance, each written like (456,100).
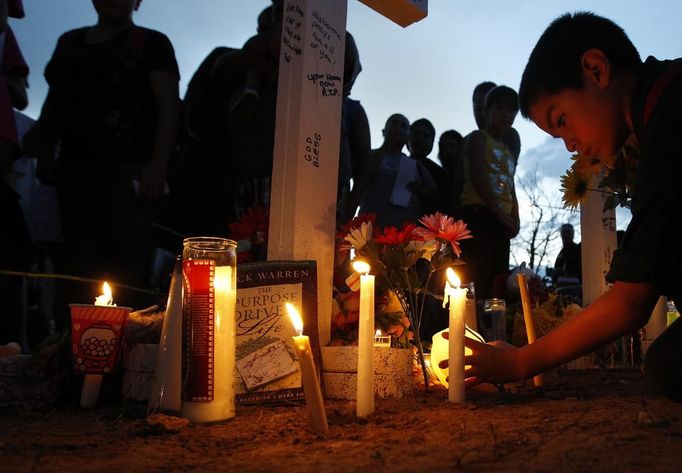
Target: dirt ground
(582,421)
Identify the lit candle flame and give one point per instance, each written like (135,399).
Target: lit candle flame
(361,266)
(295,317)
(453,279)
(106,298)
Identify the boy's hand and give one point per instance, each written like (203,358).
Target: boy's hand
(494,362)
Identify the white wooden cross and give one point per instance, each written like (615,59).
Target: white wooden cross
(307,133)
(597,243)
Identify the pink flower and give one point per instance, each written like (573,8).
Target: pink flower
(444,228)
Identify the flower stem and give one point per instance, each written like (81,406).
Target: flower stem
(422,361)
(409,308)
(416,318)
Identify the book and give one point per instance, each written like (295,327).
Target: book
(267,367)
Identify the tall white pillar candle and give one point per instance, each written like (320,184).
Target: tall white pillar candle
(456,297)
(365,385)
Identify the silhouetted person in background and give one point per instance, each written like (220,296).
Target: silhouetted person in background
(385,187)
(202,183)
(113,108)
(489,205)
(14,236)
(252,77)
(203,186)
(420,144)
(450,157)
(355,144)
(567,269)
(511,137)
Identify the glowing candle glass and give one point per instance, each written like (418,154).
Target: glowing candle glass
(208,307)
(382,340)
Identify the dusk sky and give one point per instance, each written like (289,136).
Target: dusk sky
(428,69)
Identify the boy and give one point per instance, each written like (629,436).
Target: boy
(586,84)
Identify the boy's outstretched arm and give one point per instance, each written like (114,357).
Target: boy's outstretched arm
(623,309)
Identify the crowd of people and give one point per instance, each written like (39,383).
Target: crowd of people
(131,168)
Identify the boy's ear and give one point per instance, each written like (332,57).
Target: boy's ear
(596,67)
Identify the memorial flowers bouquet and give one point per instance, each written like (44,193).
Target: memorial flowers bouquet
(616,174)
(405,260)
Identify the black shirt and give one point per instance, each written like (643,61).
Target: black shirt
(652,245)
(106,106)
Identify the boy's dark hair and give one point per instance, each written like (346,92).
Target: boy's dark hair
(501,96)
(426,124)
(555,62)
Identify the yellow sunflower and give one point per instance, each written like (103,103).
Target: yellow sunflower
(574,187)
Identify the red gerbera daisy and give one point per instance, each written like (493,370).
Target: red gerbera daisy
(393,236)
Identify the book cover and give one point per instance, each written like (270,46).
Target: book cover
(267,367)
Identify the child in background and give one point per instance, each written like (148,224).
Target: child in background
(489,205)
(586,84)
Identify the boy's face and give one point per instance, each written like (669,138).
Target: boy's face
(590,120)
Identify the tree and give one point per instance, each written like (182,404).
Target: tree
(540,221)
